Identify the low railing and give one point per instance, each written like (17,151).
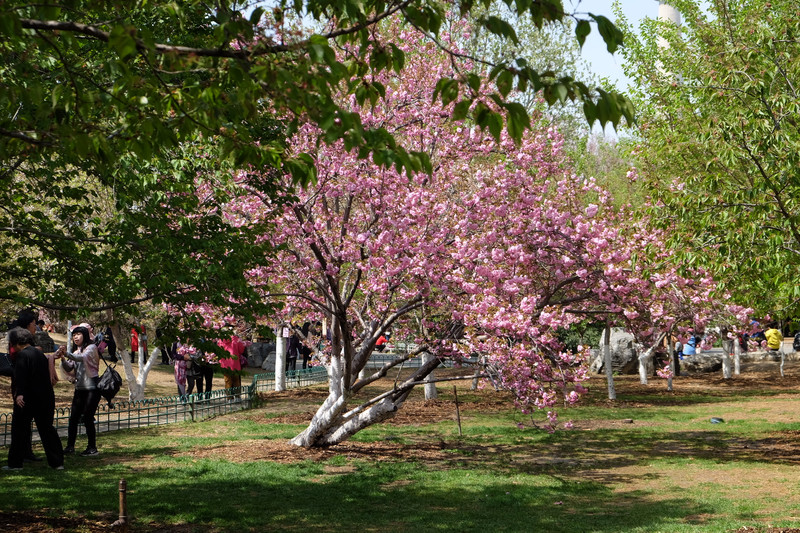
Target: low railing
(170,409)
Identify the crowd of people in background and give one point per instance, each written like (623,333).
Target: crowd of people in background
(35,361)
(769,339)
(33,357)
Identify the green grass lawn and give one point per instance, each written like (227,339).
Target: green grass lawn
(670,470)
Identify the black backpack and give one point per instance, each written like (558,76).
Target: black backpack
(109,384)
(796,343)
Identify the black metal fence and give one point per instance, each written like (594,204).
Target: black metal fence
(170,409)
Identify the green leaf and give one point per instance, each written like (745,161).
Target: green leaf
(121,40)
(582,30)
(474,82)
(495,123)
(500,27)
(255,16)
(398,58)
(505,82)
(448,89)
(518,119)
(560,91)
(461,109)
(611,34)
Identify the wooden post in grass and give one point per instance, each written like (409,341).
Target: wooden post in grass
(458,412)
(122,523)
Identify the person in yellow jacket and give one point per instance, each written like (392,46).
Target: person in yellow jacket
(774,339)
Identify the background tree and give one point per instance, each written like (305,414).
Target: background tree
(554,52)
(719,135)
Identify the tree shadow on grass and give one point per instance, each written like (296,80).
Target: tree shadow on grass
(399,497)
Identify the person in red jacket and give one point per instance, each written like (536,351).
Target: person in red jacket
(138,338)
(380,344)
(134,344)
(232,366)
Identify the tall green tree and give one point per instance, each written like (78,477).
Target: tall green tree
(719,140)
(109,112)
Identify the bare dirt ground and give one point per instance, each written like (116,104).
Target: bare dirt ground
(779,404)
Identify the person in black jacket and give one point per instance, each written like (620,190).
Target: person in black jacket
(34,400)
(26,319)
(305,350)
(111,344)
(293,350)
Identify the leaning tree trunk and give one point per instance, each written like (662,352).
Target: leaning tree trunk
(334,422)
(430,385)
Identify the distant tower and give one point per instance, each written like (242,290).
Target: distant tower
(667,13)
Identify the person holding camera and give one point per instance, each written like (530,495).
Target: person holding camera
(85,362)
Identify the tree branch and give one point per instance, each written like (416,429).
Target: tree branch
(382,371)
(95,32)
(405,387)
(25,137)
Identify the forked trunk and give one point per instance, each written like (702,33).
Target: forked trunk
(136,383)
(646,360)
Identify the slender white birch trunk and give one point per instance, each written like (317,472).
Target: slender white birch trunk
(280,360)
(612,393)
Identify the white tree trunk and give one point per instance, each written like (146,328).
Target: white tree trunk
(333,406)
(136,384)
(737,353)
(333,423)
(430,387)
(671,359)
(726,366)
(280,361)
(727,348)
(645,365)
(612,393)
(478,367)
